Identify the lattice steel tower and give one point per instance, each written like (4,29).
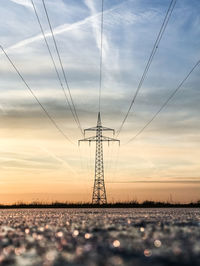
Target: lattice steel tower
(99,190)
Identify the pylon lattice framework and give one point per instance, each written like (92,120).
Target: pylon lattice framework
(99,190)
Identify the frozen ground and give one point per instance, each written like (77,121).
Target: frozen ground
(100,237)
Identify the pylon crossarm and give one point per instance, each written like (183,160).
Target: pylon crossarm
(107,129)
(88,139)
(103,138)
(91,129)
(99,128)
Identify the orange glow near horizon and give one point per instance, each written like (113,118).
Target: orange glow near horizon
(161,163)
(46,170)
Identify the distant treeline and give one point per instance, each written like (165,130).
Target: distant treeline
(130,204)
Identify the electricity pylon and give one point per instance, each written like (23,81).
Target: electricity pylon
(99,190)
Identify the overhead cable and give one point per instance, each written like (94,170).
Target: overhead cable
(101,55)
(54,64)
(62,68)
(166,102)
(153,52)
(36,98)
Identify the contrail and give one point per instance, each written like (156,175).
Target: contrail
(58,159)
(57,30)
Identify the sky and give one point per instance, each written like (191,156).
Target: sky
(162,163)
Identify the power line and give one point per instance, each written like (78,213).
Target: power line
(33,94)
(101,54)
(53,61)
(166,102)
(153,52)
(62,68)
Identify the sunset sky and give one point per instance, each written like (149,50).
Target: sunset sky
(37,163)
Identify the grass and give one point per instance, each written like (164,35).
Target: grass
(130,204)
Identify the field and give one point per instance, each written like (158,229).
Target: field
(92,237)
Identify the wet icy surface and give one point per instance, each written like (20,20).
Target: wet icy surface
(100,237)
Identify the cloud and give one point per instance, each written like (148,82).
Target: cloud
(57,31)
(25,3)
(158,182)
(96,26)
(59,160)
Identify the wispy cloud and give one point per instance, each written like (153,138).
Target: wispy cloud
(57,30)
(96,26)
(93,19)
(58,159)
(25,3)
(159,182)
